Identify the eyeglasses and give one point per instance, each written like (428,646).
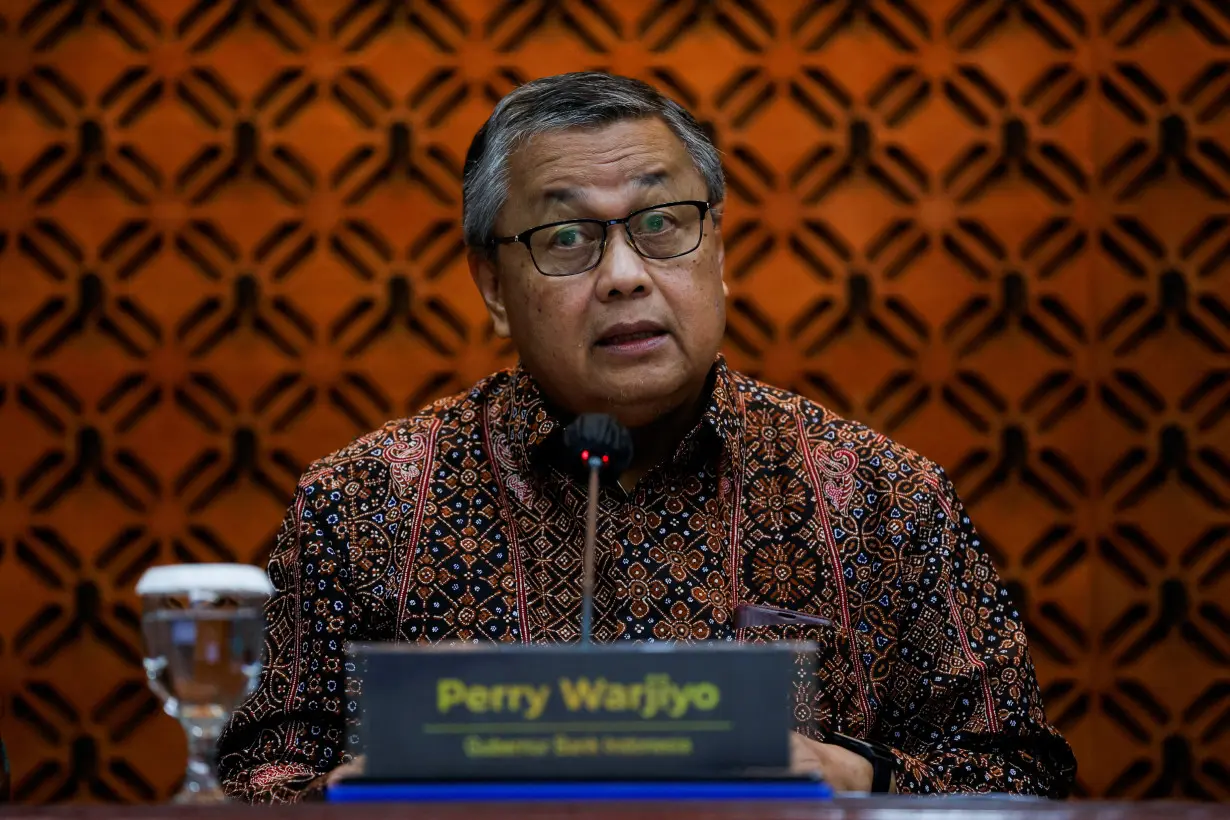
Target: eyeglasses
(576,245)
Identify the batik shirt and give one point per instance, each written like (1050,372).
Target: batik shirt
(466,522)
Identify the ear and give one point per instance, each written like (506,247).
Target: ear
(487,278)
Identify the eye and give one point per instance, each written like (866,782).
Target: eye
(654,223)
(566,237)
(571,237)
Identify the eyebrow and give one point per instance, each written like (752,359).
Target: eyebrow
(572,194)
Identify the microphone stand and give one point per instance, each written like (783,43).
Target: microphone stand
(602,443)
(591,536)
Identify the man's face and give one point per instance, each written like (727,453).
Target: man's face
(633,337)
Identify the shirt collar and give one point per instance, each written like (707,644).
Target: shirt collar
(533,421)
(724,412)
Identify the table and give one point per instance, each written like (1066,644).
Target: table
(877,808)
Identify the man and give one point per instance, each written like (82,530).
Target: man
(592,211)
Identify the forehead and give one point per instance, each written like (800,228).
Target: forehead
(576,162)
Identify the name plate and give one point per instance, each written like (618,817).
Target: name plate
(624,711)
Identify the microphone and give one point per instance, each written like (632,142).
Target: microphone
(603,444)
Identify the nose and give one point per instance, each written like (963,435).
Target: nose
(622,272)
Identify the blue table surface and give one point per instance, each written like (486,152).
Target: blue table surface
(720,791)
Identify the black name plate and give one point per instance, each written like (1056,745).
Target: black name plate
(468,712)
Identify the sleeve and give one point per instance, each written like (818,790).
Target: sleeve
(291,730)
(965,712)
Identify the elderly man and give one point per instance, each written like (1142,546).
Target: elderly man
(593,213)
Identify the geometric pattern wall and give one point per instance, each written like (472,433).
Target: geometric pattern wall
(997,230)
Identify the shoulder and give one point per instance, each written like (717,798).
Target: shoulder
(408,440)
(842,446)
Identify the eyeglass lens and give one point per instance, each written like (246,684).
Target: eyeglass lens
(658,233)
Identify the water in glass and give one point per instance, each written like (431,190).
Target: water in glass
(204,632)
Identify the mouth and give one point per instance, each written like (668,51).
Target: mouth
(631,335)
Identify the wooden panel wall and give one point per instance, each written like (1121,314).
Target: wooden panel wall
(998,230)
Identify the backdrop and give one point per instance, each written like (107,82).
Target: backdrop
(997,230)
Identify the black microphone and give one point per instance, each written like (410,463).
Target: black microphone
(603,444)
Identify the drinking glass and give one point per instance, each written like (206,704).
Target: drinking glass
(204,631)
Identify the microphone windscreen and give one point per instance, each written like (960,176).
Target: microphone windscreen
(601,435)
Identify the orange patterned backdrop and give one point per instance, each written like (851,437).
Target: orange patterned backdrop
(998,230)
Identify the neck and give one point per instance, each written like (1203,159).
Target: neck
(657,441)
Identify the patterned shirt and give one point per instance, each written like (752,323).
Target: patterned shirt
(465,522)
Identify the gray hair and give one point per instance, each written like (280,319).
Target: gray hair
(587,99)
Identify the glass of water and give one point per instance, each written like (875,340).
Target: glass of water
(204,633)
